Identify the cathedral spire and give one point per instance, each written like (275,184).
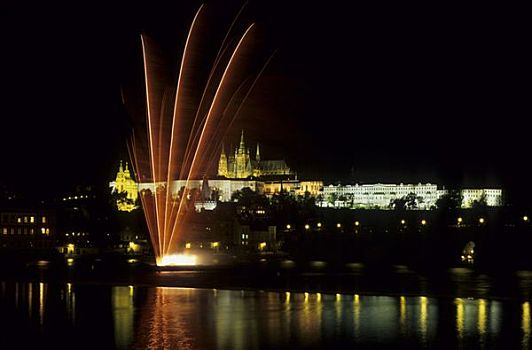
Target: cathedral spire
(242,147)
(121,168)
(222,153)
(257,156)
(127,174)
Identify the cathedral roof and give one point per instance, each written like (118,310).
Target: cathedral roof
(270,165)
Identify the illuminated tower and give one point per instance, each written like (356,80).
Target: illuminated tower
(125,184)
(222,164)
(119,182)
(242,161)
(255,166)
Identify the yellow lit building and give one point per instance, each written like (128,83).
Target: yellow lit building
(124,183)
(239,165)
(293,187)
(312,187)
(29,228)
(287,186)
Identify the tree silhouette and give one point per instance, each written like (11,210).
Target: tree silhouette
(450,201)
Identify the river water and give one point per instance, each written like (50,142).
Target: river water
(80,315)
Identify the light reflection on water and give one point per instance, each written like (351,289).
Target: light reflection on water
(161,318)
(525,324)
(42,301)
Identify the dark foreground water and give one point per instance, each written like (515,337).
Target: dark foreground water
(65,315)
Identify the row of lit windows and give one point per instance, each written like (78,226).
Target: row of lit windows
(391,185)
(366,191)
(22,219)
(24,231)
(480,192)
(427,195)
(382,197)
(410,188)
(476,195)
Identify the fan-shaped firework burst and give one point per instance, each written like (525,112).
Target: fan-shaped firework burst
(177,142)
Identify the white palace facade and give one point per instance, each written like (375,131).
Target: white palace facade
(379,196)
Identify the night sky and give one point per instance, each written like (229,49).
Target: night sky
(411,94)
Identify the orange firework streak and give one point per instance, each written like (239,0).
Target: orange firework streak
(177,148)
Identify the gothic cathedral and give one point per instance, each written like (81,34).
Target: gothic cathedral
(239,164)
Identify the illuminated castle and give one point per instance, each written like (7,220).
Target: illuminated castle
(239,164)
(125,184)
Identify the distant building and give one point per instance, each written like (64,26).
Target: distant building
(125,184)
(491,196)
(27,228)
(293,187)
(377,196)
(256,237)
(380,196)
(240,165)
